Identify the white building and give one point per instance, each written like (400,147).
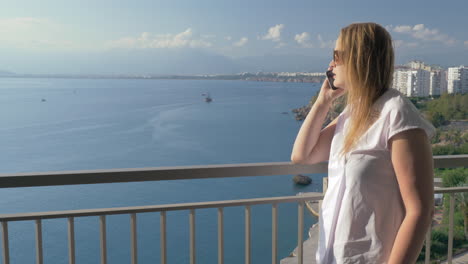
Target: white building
(298,74)
(457,79)
(400,80)
(437,82)
(314,73)
(418,65)
(412,82)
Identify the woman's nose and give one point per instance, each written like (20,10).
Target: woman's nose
(332,63)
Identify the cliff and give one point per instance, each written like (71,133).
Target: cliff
(337,106)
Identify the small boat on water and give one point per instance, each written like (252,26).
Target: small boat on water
(208,98)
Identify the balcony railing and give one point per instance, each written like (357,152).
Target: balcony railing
(179,173)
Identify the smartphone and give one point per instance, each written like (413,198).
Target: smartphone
(330,79)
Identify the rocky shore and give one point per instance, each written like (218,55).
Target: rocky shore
(302,112)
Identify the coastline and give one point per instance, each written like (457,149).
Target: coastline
(266,77)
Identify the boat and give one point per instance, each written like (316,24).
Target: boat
(208,98)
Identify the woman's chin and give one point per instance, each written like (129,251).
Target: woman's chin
(338,84)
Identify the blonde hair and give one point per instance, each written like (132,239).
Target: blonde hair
(368,58)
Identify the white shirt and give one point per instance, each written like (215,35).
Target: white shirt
(362,209)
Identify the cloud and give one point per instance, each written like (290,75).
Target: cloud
(421,32)
(228,38)
(402,29)
(147,40)
(241,42)
(325,44)
(465,43)
(274,33)
(401,43)
(303,40)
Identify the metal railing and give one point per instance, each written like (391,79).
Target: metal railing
(177,173)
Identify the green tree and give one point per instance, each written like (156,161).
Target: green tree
(437,119)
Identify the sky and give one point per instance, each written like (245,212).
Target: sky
(216,36)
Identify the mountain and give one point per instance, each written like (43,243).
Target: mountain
(283,63)
(6,73)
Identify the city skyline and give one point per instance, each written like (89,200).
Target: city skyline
(416,78)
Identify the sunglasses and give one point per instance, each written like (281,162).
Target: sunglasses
(337,55)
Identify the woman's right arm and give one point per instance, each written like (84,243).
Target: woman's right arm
(312,143)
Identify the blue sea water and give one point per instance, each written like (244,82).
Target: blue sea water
(88,124)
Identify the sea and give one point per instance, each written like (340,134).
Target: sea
(49,125)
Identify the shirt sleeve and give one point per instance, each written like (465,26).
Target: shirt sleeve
(406,116)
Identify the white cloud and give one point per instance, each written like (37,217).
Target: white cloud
(402,29)
(303,40)
(228,38)
(241,42)
(330,44)
(421,32)
(147,40)
(274,33)
(401,43)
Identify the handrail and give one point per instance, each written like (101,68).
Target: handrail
(156,208)
(451,190)
(35,179)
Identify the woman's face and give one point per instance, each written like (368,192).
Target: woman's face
(338,68)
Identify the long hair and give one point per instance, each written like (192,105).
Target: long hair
(368,58)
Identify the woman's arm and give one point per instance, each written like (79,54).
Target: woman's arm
(411,156)
(312,144)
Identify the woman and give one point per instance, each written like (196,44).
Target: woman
(379,202)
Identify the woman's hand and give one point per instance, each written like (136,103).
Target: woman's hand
(327,95)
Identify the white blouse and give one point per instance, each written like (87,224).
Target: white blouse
(362,209)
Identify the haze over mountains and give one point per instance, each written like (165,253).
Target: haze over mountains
(185,62)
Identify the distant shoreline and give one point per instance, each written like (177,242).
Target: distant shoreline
(262,77)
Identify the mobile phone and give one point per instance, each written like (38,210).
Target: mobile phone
(330,79)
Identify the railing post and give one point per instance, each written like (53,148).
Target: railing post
(39,259)
(247,234)
(102,225)
(450,238)
(300,231)
(71,240)
(163,237)
(192,236)
(220,236)
(6,250)
(133,238)
(274,232)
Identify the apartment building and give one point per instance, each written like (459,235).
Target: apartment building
(437,82)
(457,79)
(418,65)
(412,82)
